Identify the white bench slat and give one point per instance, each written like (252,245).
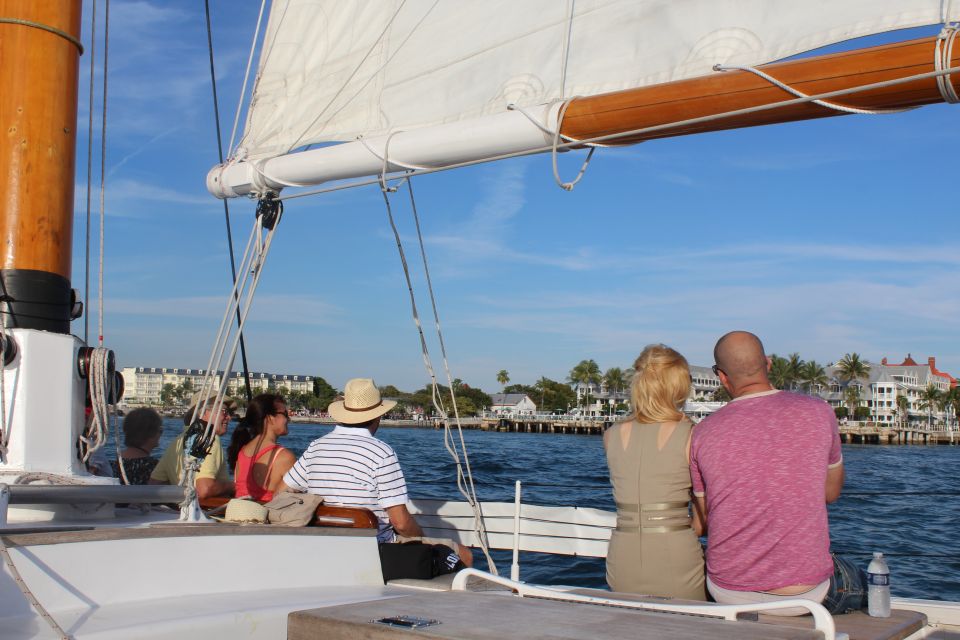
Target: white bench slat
(560,530)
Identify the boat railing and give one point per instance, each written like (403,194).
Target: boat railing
(822,619)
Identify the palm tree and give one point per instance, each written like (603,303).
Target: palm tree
(852,397)
(585,373)
(615,380)
(812,375)
(929,400)
(779,371)
(503,378)
(903,409)
(794,364)
(953,400)
(851,367)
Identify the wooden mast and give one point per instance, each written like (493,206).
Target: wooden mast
(40,56)
(733,90)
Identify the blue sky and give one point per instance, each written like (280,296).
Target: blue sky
(823,238)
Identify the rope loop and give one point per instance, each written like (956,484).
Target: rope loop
(45,27)
(943,55)
(796,92)
(555,145)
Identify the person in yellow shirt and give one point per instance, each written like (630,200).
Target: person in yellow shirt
(213,478)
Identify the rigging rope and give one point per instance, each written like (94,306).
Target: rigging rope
(226,206)
(45,27)
(613,137)
(103,161)
(4,425)
(435,396)
(800,94)
(246,75)
(86,270)
(269,212)
(372,75)
(469,492)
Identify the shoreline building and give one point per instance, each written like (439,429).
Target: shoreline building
(895,393)
(512,404)
(143,386)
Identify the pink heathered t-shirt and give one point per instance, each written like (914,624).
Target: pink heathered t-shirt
(761,461)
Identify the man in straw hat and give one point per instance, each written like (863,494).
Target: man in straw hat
(213,478)
(351,467)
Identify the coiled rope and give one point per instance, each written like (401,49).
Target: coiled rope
(941,61)
(464,481)
(100,381)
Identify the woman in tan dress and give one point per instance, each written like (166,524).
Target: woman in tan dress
(654,550)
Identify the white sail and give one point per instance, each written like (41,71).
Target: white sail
(335,70)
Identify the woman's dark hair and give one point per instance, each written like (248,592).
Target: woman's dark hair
(251,425)
(140,425)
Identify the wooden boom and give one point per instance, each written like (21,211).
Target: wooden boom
(728,91)
(511,132)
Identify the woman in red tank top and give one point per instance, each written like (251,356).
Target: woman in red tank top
(258,462)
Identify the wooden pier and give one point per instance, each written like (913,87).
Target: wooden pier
(910,434)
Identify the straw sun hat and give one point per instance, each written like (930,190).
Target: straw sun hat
(361,402)
(245,512)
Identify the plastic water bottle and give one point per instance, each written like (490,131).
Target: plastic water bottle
(878,587)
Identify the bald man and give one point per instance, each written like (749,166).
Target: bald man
(764,468)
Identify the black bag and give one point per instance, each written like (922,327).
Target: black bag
(417,560)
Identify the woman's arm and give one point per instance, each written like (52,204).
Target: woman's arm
(281,464)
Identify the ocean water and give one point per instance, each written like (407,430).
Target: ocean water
(889,502)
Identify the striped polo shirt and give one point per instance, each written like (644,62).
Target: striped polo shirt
(350,467)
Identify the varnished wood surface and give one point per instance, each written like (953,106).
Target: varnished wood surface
(731,90)
(38,117)
(860,626)
(491,616)
(359,517)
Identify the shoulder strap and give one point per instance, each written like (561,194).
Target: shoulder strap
(276,454)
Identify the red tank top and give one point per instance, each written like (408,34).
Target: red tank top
(246,486)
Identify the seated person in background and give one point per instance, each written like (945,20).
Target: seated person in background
(654,549)
(142,429)
(352,468)
(764,468)
(213,478)
(258,462)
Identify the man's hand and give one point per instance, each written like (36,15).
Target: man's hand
(403,522)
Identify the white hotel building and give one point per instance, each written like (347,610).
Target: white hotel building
(878,392)
(143,385)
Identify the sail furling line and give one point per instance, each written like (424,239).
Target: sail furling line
(469,493)
(942,59)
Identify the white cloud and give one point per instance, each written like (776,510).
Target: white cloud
(267,309)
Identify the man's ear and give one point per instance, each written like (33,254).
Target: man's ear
(769,363)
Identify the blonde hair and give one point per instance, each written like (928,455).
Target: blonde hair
(660,385)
